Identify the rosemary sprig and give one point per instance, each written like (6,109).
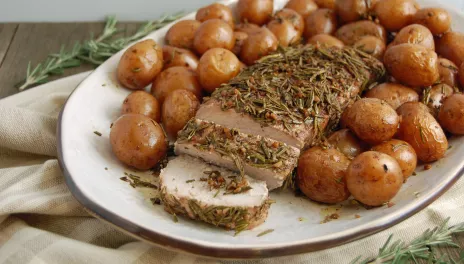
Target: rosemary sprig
(419,248)
(94,51)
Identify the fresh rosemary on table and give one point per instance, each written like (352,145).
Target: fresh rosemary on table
(94,51)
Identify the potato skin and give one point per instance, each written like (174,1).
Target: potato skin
(248,28)
(175,78)
(284,31)
(293,17)
(321,21)
(143,103)
(181,34)
(396,14)
(216,10)
(179,57)
(352,10)
(258,45)
(371,45)
(255,11)
(140,64)
(325,39)
(240,38)
(347,143)
(372,120)
(213,33)
(451,46)
(404,154)
(451,114)
(393,93)
(421,131)
(321,175)
(374,178)
(436,19)
(448,72)
(303,7)
(435,97)
(330,4)
(217,66)
(178,108)
(138,141)
(415,34)
(412,64)
(353,32)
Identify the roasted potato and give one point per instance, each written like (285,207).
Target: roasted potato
(393,93)
(284,31)
(371,45)
(216,10)
(324,39)
(175,78)
(347,143)
(451,116)
(451,46)
(404,154)
(143,103)
(217,66)
(448,72)
(415,34)
(321,175)
(372,120)
(396,14)
(461,74)
(138,141)
(321,21)
(434,96)
(179,57)
(140,64)
(248,28)
(178,108)
(213,33)
(412,64)
(258,45)
(330,4)
(303,7)
(182,33)
(421,131)
(353,10)
(240,38)
(293,17)
(437,20)
(353,32)
(255,11)
(374,178)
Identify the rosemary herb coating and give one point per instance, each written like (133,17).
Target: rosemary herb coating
(261,158)
(294,96)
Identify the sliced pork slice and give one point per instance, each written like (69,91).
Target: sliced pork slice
(259,157)
(194,188)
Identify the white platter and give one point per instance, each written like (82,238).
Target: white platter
(96,103)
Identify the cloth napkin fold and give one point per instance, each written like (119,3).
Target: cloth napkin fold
(41,222)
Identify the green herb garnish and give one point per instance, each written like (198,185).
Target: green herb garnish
(265,232)
(97,133)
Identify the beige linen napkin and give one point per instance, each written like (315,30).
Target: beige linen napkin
(41,222)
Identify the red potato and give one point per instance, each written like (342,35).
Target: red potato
(448,72)
(451,116)
(176,78)
(347,143)
(248,28)
(293,17)
(353,32)
(284,31)
(179,57)
(240,38)
(435,96)
(461,74)
(255,11)
(437,20)
(321,21)
(213,33)
(327,40)
(353,10)
(304,7)
(404,154)
(371,45)
(393,93)
(325,4)
(451,46)
(143,103)
(258,45)
(181,34)
(178,108)
(415,34)
(215,10)
(217,66)
(396,14)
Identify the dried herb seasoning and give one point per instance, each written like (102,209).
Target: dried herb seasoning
(135,181)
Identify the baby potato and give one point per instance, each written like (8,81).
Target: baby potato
(351,10)
(461,74)
(213,33)
(435,96)
(258,45)
(415,34)
(182,33)
(179,57)
(421,131)
(178,108)
(217,66)
(321,21)
(374,178)
(240,38)
(412,64)
(321,175)
(140,64)
(393,93)
(293,17)
(352,32)
(303,7)
(451,116)
(143,103)
(451,46)
(327,40)
(402,152)
(347,143)
(437,20)
(255,11)
(175,78)
(371,45)
(372,120)
(284,31)
(138,141)
(216,10)
(448,72)
(330,4)
(248,28)
(396,14)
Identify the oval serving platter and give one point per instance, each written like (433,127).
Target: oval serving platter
(93,174)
